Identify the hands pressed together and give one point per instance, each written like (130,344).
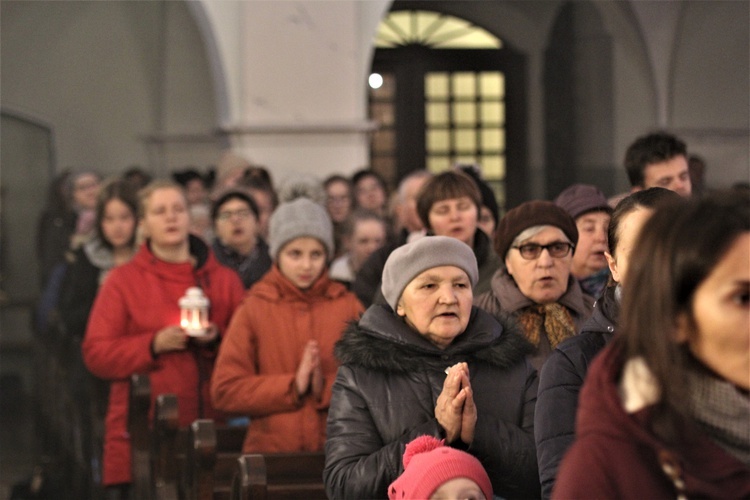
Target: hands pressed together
(455,410)
(309,377)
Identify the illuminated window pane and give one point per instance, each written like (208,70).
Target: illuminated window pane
(436,86)
(437,164)
(437,114)
(492,113)
(466,140)
(491,139)
(493,167)
(438,141)
(491,85)
(464,85)
(383,113)
(384,141)
(464,113)
(432,29)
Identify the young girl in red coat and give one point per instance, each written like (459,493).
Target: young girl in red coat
(134,326)
(276,361)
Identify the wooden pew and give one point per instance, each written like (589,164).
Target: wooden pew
(140,436)
(279,476)
(178,454)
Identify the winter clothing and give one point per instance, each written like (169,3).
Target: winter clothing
(530,214)
(90,265)
(409,261)
(560,381)
(261,351)
(298,218)
(368,280)
(428,464)
(250,268)
(615,454)
(137,300)
(505,298)
(581,198)
(385,395)
(341,270)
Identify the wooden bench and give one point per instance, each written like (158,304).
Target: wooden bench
(279,476)
(166,459)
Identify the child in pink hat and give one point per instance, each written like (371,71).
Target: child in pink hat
(433,470)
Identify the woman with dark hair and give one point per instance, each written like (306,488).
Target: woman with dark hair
(665,409)
(449,204)
(562,375)
(370,192)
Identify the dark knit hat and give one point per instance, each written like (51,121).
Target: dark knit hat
(234,195)
(530,214)
(408,261)
(296,219)
(428,464)
(581,198)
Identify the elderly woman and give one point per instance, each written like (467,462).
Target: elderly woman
(537,240)
(428,362)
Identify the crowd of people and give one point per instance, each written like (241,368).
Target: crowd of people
(430,345)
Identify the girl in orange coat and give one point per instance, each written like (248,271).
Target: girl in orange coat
(276,361)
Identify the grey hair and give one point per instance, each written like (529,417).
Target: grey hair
(530,232)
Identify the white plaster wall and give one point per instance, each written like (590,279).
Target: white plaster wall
(106,75)
(303,73)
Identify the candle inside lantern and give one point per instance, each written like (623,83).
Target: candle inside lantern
(194,312)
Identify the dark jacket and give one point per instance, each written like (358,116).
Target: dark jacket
(366,285)
(560,381)
(385,393)
(615,454)
(250,268)
(506,299)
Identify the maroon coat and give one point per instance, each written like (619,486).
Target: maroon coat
(136,300)
(616,456)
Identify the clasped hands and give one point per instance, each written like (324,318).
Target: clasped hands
(309,377)
(455,410)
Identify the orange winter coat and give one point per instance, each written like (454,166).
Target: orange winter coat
(261,350)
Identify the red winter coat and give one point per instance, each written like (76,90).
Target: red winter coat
(261,351)
(616,456)
(137,300)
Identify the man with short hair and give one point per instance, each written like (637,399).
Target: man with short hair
(658,160)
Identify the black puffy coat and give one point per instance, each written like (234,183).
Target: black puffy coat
(560,382)
(385,393)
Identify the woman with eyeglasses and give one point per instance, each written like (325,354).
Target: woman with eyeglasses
(536,240)
(238,243)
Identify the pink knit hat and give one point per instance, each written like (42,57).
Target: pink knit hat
(428,464)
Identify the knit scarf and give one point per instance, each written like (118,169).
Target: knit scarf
(722,411)
(552,320)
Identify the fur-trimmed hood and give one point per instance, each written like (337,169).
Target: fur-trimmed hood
(382,341)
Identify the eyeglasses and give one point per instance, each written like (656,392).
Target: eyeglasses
(557,249)
(243,213)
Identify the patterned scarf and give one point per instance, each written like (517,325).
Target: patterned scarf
(722,411)
(552,320)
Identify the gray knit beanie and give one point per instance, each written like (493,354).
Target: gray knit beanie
(296,219)
(408,261)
